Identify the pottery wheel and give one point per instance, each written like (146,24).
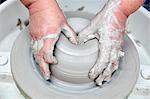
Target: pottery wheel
(32,85)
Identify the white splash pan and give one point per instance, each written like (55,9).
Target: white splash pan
(71,72)
(11,10)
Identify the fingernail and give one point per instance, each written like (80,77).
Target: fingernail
(99,80)
(73,41)
(92,76)
(98,84)
(55,60)
(47,76)
(49,58)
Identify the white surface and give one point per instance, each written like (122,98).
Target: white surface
(3,60)
(10,11)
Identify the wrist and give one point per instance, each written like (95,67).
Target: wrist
(39,5)
(116,8)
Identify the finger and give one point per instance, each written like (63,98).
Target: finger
(113,63)
(102,61)
(106,75)
(49,58)
(110,69)
(89,37)
(112,66)
(68,32)
(108,78)
(115,55)
(99,80)
(94,72)
(87,33)
(48,50)
(44,68)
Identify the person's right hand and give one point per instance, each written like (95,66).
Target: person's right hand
(46,22)
(108,26)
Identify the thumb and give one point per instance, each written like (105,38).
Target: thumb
(69,33)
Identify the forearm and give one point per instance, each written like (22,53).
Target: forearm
(130,6)
(119,10)
(38,5)
(122,9)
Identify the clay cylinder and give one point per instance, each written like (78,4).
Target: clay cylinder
(75,61)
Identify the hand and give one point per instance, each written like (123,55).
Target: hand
(108,27)
(46,22)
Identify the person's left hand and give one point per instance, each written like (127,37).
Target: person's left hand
(108,27)
(47,21)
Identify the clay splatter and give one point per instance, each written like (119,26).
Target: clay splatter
(19,24)
(26,23)
(81,8)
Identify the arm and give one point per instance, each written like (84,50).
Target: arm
(130,6)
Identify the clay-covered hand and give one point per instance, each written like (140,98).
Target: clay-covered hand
(108,27)
(46,23)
